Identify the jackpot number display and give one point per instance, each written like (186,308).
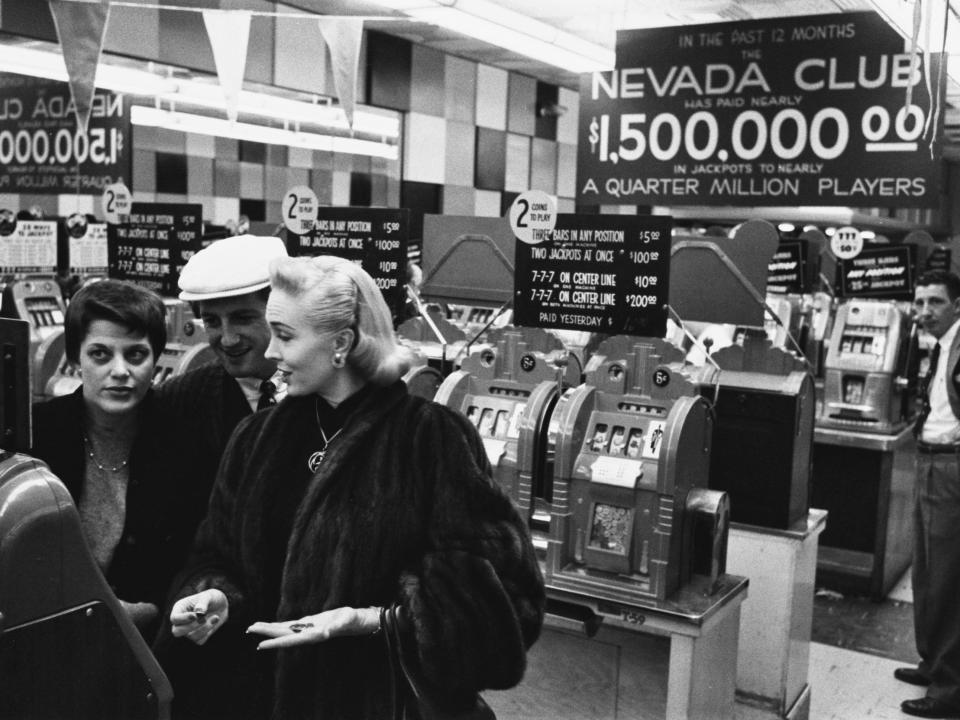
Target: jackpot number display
(64,146)
(788,134)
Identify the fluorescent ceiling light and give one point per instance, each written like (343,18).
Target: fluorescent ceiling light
(187,122)
(136,82)
(50,65)
(496,25)
(278,108)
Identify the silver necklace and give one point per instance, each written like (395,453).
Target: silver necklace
(313,462)
(101,467)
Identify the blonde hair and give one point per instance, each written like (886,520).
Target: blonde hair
(337,294)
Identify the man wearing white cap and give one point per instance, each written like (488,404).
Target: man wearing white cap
(228,284)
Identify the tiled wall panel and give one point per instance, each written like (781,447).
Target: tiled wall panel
(251,180)
(199,175)
(423,148)
(487,204)
(543,166)
(226,208)
(522,105)
(567,123)
(144,172)
(340,188)
(300,158)
(275,183)
(69,204)
(427,73)
(201,145)
(226,178)
(321,182)
(459,153)
(460,86)
(517,177)
(566,170)
(492,84)
(458,200)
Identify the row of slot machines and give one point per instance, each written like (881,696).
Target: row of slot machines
(611,473)
(38,300)
(863,353)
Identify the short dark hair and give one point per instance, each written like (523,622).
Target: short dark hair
(129,305)
(261,294)
(941,277)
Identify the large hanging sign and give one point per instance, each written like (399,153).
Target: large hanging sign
(787,111)
(41,149)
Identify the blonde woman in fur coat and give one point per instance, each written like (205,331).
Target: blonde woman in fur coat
(350,496)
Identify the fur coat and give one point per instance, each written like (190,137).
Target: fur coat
(402,510)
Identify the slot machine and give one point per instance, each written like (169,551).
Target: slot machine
(422,379)
(632,518)
(868,372)
(67,647)
(507,391)
(38,300)
(763,433)
(787,310)
(435,338)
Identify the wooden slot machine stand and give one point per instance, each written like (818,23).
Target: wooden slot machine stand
(866,482)
(772,665)
(602,659)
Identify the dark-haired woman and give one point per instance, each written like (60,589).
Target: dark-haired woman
(111,447)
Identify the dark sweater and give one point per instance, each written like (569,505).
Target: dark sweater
(403,510)
(164,503)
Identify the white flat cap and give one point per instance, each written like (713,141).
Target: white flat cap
(232,266)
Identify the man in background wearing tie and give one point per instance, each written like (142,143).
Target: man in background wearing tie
(227,284)
(936,552)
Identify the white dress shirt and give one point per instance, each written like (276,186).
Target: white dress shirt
(942,426)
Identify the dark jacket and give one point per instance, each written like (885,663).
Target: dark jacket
(403,510)
(164,504)
(206,404)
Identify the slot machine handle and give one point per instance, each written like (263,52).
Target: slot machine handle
(561,364)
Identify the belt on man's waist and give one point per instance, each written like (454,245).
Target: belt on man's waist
(937,448)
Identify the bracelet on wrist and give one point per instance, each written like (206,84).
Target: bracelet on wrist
(379,628)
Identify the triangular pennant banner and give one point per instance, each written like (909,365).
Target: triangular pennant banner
(80,27)
(229,33)
(343,36)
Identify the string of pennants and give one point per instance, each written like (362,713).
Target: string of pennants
(81,27)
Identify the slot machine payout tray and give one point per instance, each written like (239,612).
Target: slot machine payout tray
(692,605)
